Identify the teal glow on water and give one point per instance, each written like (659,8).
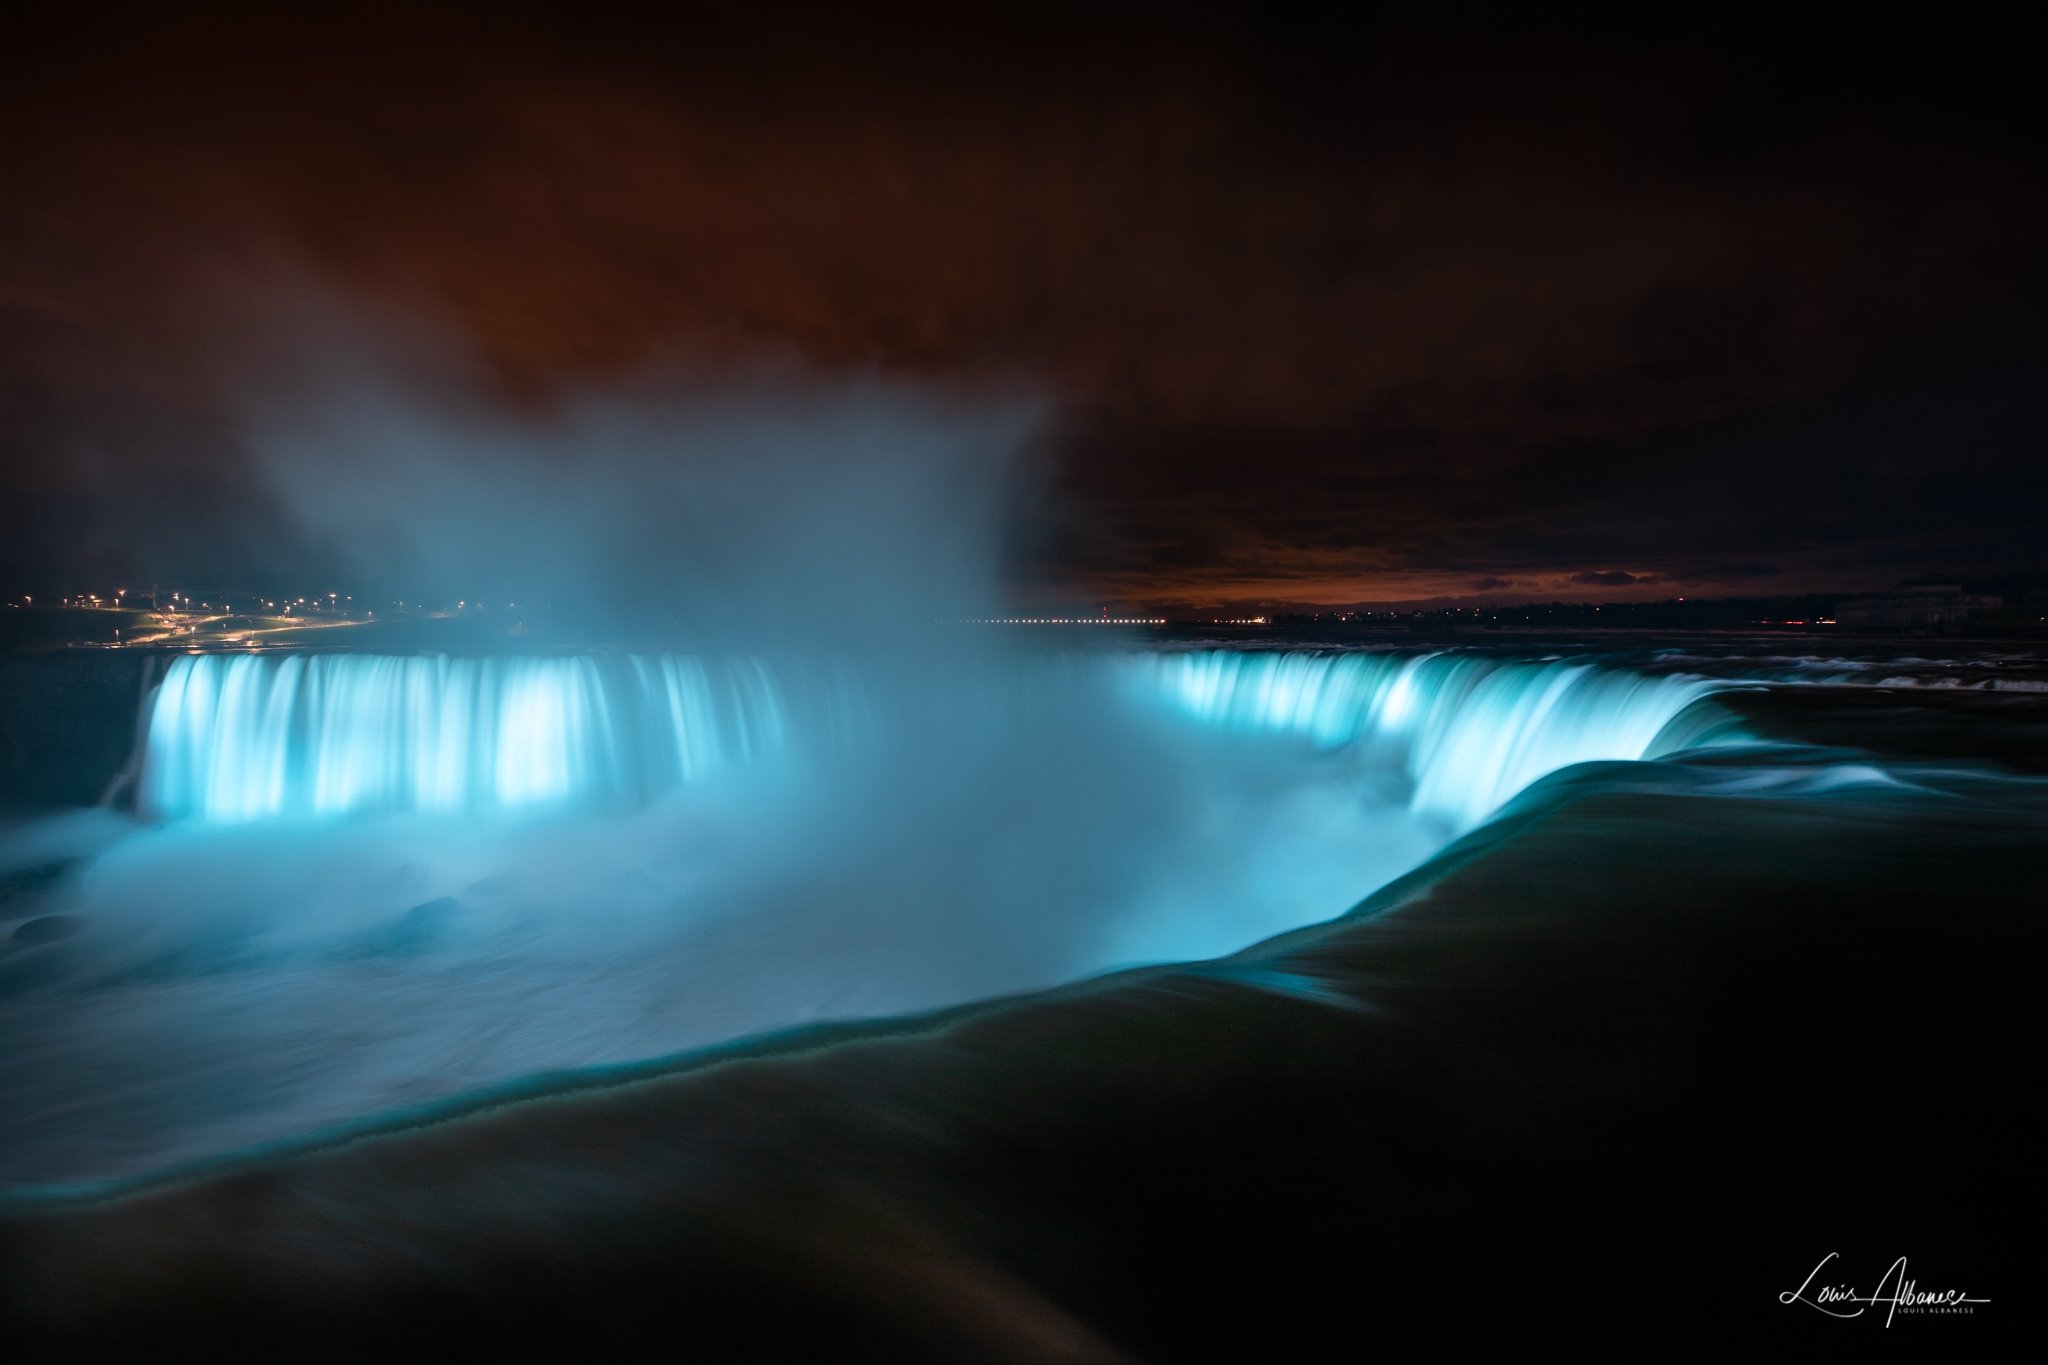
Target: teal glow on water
(1468,730)
(242,737)
(362,883)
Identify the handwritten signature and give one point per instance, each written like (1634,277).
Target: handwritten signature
(1842,1301)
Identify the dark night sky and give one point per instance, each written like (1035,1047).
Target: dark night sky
(1328,315)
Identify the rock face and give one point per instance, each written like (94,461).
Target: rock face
(422,927)
(48,929)
(67,724)
(20,890)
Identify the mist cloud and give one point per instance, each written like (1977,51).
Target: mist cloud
(719,505)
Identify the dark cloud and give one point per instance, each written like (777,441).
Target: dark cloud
(1335,314)
(1730,573)
(1615,578)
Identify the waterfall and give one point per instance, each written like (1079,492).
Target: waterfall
(1470,730)
(239,737)
(725,846)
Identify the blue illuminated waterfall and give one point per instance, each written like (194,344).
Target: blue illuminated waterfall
(1469,730)
(240,737)
(363,883)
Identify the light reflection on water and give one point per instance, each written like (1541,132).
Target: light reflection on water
(365,882)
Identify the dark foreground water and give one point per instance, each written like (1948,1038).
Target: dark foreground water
(1634,1054)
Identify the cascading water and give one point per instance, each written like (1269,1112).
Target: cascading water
(241,737)
(1468,730)
(363,883)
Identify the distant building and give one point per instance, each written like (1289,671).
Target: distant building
(1939,607)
